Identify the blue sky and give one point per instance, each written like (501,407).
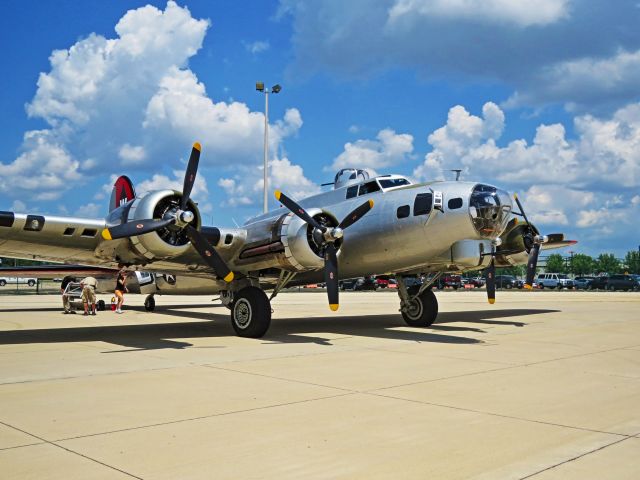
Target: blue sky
(527,97)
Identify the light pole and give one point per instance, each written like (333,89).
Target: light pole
(275,89)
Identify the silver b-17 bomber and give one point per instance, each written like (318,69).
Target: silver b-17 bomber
(364,226)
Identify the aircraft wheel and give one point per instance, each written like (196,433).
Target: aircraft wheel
(251,313)
(100,305)
(422,311)
(149,303)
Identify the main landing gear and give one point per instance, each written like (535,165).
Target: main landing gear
(250,311)
(149,303)
(418,304)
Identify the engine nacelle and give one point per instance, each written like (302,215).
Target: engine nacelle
(300,248)
(170,241)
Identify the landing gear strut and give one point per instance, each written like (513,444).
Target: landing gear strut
(419,306)
(149,303)
(250,312)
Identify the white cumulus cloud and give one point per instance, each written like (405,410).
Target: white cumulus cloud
(131,103)
(389,148)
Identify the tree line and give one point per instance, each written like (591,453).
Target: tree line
(581,264)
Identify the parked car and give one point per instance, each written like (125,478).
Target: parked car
(506,281)
(382,282)
(599,283)
(476,282)
(583,283)
(554,280)
(362,283)
(450,281)
(17,280)
(622,282)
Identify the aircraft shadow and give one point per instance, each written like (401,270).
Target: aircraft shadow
(287,330)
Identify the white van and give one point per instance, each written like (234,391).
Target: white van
(554,280)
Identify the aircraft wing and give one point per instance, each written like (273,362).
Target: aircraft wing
(48,272)
(51,238)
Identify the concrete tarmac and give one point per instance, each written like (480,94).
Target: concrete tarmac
(542,385)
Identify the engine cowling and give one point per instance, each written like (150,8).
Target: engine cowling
(517,240)
(170,241)
(301,249)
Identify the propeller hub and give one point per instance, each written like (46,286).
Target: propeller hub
(187,216)
(334,234)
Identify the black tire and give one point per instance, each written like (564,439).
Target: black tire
(150,303)
(100,305)
(3,283)
(542,286)
(31,283)
(422,312)
(251,313)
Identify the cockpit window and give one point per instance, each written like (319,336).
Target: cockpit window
(490,209)
(369,187)
(393,182)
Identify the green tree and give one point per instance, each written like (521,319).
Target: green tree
(607,263)
(632,261)
(555,263)
(582,264)
(516,271)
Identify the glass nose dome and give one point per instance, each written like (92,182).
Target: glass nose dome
(490,209)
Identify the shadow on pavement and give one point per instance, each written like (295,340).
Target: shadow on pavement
(287,330)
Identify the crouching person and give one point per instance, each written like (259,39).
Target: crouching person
(89,285)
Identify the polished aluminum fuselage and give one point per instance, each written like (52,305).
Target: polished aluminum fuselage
(379,243)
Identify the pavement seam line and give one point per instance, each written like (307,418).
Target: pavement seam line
(575,458)
(54,444)
(501,415)
(508,367)
(202,417)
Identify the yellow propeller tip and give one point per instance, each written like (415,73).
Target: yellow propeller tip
(528,287)
(229,277)
(197,146)
(106,234)
(492,301)
(370,203)
(515,195)
(277,193)
(334,306)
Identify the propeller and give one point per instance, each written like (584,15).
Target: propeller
(534,251)
(490,275)
(326,237)
(182,218)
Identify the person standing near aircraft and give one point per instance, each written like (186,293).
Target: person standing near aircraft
(65,299)
(121,288)
(89,285)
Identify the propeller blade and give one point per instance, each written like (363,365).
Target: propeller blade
(298,210)
(490,274)
(356,214)
(531,265)
(137,227)
(190,175)
(331,275)
(209,254)
(521,209)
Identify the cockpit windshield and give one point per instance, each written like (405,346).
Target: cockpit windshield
(490,209)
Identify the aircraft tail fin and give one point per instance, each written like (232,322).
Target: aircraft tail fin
(122,192)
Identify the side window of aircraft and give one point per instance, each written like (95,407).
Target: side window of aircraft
(369,187)
(422,204)
(454,203)
(352,191)
(404,211)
